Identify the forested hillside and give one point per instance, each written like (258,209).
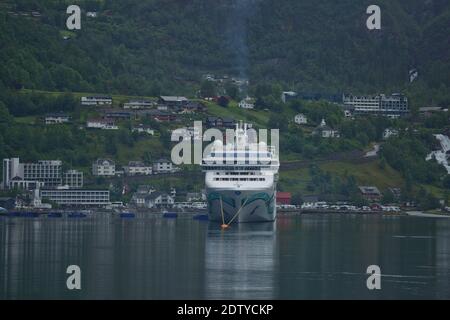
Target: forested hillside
(164,46)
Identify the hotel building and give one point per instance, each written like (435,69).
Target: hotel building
(66,197)
(392,106)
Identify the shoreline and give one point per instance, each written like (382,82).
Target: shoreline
(160,213)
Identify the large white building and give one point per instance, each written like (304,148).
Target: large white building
(47,171)
(67,197)
(104,167)
(44,173)
(73,179)
(393,106)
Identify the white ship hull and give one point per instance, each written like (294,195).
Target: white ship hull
(236,206)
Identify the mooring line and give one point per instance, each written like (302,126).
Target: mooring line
(237,213)
(221,210)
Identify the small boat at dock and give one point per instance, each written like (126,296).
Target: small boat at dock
(77,215)
(127,215)
(54,215)
(170,215)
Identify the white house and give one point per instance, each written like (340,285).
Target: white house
(103,124)
(324,131)
(348,113)
(96,101)
(56,118)
(143,129)
(247,103)
(138,198)
(173,100)
(163,166)
(389,132)
(138,104)
(104,167)
(159,200)
(300,119)
(137,168)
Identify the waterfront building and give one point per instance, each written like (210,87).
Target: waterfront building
(67,197)
(392,106)
(284,198)
(104,167)
(370,193)
(44,173)
(73,179)
(193,197)
(159,200)
(14,175)
(138,198)
(47,171)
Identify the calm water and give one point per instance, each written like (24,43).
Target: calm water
(298,257)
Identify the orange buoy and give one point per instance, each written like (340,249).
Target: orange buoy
(225,226)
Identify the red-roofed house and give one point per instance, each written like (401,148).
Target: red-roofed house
(284,198)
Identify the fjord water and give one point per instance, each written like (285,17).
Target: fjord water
(297,257)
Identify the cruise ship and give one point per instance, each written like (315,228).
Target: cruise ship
(240,179)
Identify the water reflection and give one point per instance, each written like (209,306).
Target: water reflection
(298,257)
(240,262)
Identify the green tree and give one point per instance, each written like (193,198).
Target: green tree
(208,89)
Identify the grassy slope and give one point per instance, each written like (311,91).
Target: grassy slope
(365,174)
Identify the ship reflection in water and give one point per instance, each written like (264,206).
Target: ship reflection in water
(240,262)
(296,257)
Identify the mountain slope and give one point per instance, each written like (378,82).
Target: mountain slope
(155,46)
